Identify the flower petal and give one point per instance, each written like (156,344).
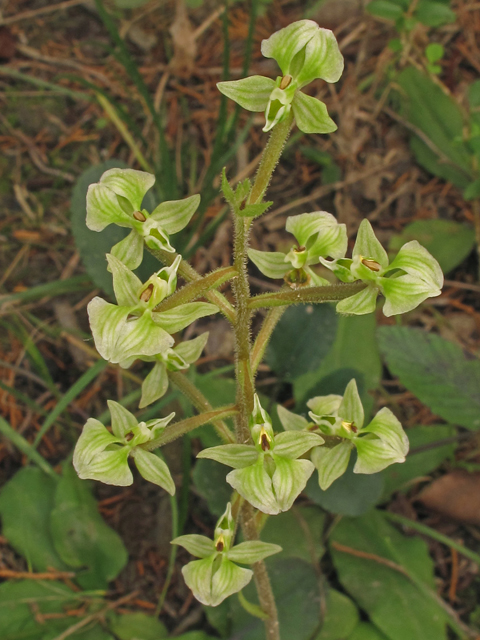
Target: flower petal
(389,429)
(252,551)
(293,444)
(109,467)
(271,263)
(374,456)
(331,463)
(94,439)
(191,350)
(283,45)
(140,337)
(180,317)
(291,421)
(155,385)
(174,215)
(153,469)
(255,485)
(416,261)
(122,420)
(250,93)
(368,246)
(103,208)
(322,59)
(311,115)
(129,183)
(229,579)
(198,546)
(361,303)
(107,321)
(405,293)
(198,577)
(237,456)
(289,479)
(351,408)
(125,283)
(129,250)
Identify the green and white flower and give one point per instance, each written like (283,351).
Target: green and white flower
(103,456)
(268,473)
(318,235)
(118,198)
(179,358)
(133,328)
(412,277)
(340,419)
(304,52)
(216,575)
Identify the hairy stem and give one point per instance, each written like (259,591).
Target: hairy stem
(243,362)
(329,293)
(260,574)
(264,335)
(179,429)
(189,274)
(270,158)
(199,401)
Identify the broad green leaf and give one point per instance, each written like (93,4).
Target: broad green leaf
(180,317)
(250,93)
(449,242)
(81,536)
(297,600)
(367,631)
(136,626)
(209,480)
(252,551)
(385,9)
(198,546)
(153,469)
(299,533)
(355,348)
(341,617)
(436,371)
(311,115)
(382,591)
(173,216)
(301,340)
(472,191)
(438,116)
(418,465)
(18,600)
(26,502)
(434,14)
(237,456)
(350,495)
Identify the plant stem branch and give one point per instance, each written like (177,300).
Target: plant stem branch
(199,401)
(189,274)
(264,335)
(198,288)
(330,293)
(184,426)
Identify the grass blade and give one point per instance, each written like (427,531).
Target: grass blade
(25,447)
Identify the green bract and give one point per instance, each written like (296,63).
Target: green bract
(318,235)
(381,443)
(101,455)
(304,52)
(118,197)
(267,473)
(412,277)
(179,358)
(216,576)
(133,328)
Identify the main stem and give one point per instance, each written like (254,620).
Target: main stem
(243,347)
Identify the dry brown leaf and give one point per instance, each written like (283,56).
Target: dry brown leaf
(455,495)
(184,45)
